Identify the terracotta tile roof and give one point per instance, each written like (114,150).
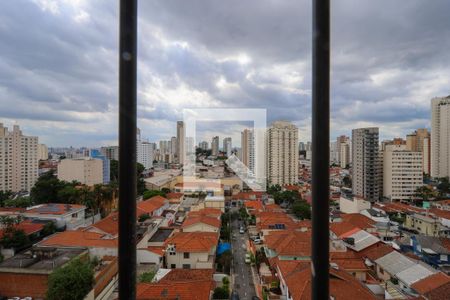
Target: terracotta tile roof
(430,283)
(398,207)
(254,204)
(289,243)
(273,208)
(266,219)
(174,195)
(440,293)
(196,219)
(193,241)
(444,214)
(291,187)
(351,264)
(212,212)
(342,285)
(109,225)
(12,209)
(358,220)
(156,249)
(79,238)
(28,227)
(200,185)
(54,209)
(374,253)
(188,275)
(150,205)
(248,196)
(342,228)
(187,290)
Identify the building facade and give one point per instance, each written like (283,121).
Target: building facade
(282,153)
(42,152)
(227,146)
(440,137)
(215,146)
(86,170)
(366,167)
(419,141)
(18,160)
(94,153)
(402,172)
(181,134)
(111,152)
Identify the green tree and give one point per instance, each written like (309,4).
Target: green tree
(49,228)
(151,193)
(147,277)
(68,194)
(114,170)
(221,293)
(225,261)
(274,189)
(4,196)
(443,187)
(286,197)
(71,282)
(346,181)
(140,180)
(46,188)
(302,209)
(14,238)
(19,202)
(423,193)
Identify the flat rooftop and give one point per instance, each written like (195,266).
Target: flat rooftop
(160,235)
(40,259)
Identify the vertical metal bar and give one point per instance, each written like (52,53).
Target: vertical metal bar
(321,144)
(127,149)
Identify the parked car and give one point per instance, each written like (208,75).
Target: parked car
(257,241)
(234,295)
(247,258)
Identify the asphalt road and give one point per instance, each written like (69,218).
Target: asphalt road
(243,282)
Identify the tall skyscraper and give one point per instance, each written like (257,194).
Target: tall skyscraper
(402,172)
(203,145)
(227,146)
(366,166)
(418,141)
(18,160)
(282,153)
(173,146)
(181,134)
(248,149)
(111,152)
(215,146)
(440,137)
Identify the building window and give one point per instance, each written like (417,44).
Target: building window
(173,266)
(186,255)
(186,266)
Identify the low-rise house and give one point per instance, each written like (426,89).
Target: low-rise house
(153,207)
(442,215)
(423,224)
(434,287)
(353,237)
(288,245)
(376,215)
(295,282)
(26,274)
(98,244)
(191,250)
(201,223)
(351,204)
(434,251)
(68,216)
(442,204)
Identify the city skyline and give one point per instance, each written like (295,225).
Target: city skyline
(388,66)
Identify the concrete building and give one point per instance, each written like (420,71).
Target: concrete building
(42,152)
(419,141)
(402,172)
(111,152)
(86,170)
(227,146)
(248,149)
(18,160)
(440,137)
(145,154)
(345,154)
(181,134)
(282,153)
(173,146)
(215,146)
(94,153)
(203,145)
(365,160)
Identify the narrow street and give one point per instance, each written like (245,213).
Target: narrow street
(243,280)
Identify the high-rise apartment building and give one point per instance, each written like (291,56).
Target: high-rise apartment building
(111,152)
(181,134)
(345,154)
(18,160)
(247,153)
(145,153)
(402,172)
(227,146)
(173,146)
(42,152)
(440,137)
(203,145)
(365,163)
(94,153)
(418,141)
(215,146)
(282,153)
(86,170)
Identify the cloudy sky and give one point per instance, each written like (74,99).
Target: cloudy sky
(58,64)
